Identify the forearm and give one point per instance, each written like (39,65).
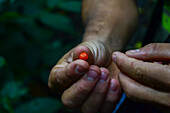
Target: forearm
(110,21)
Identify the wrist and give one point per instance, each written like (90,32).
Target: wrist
(110,22)
(114,33)
(110,41)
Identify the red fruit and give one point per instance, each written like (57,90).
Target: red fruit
(83,56)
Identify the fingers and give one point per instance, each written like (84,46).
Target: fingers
(95,100)
(79,91)
(141,93)
(93,94)
(114,91)
(99,54)
(112,97)
(63,75)
(78,50)
(152,52)
(106,93)
(155,75)
(65,72)
(113,69)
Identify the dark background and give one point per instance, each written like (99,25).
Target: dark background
(34,35)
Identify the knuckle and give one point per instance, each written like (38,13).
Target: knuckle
(139,70)
(55,77)
(139,73)
(129,91)
(50,85)
(154,47)
(68,103)
(101,58)
(121,63)
(129,94)
(101,91)
(53,71)
(83,89)
(69,72)
(51,81)
(55,81)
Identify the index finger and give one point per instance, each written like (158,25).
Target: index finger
(154,75)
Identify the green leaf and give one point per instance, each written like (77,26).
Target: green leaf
(40,105)
(2,62)
(16,38)
(6,103)
(2,1)
(52,3)
(57,21)
(71,6)
(12,1)
(13,90)
(39,34)
(31,7)
(33,57)
(9,15)
(52,52)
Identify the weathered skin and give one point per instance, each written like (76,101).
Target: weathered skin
(109,24)
(145,81)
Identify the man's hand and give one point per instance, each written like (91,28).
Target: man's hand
(93,85)
(145,74)
(89,85)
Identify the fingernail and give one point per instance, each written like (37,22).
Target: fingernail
(103,76)
(114,58)
(79,69)
(113,86)
(92,75)
(133,51)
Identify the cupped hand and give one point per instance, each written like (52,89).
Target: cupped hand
(90,85)
(145,74)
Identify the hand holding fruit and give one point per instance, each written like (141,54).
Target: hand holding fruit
(90,84)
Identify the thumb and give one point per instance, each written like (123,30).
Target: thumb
(152,52)
(98,53)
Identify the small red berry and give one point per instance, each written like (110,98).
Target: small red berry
(83,56)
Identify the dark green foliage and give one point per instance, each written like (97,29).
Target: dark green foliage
(34,35)
(73,6)
(2,62)
(42,105)
(59,21)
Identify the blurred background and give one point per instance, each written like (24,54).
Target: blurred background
(34,35)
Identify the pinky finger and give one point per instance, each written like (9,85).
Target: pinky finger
(112,97)
(140,93)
